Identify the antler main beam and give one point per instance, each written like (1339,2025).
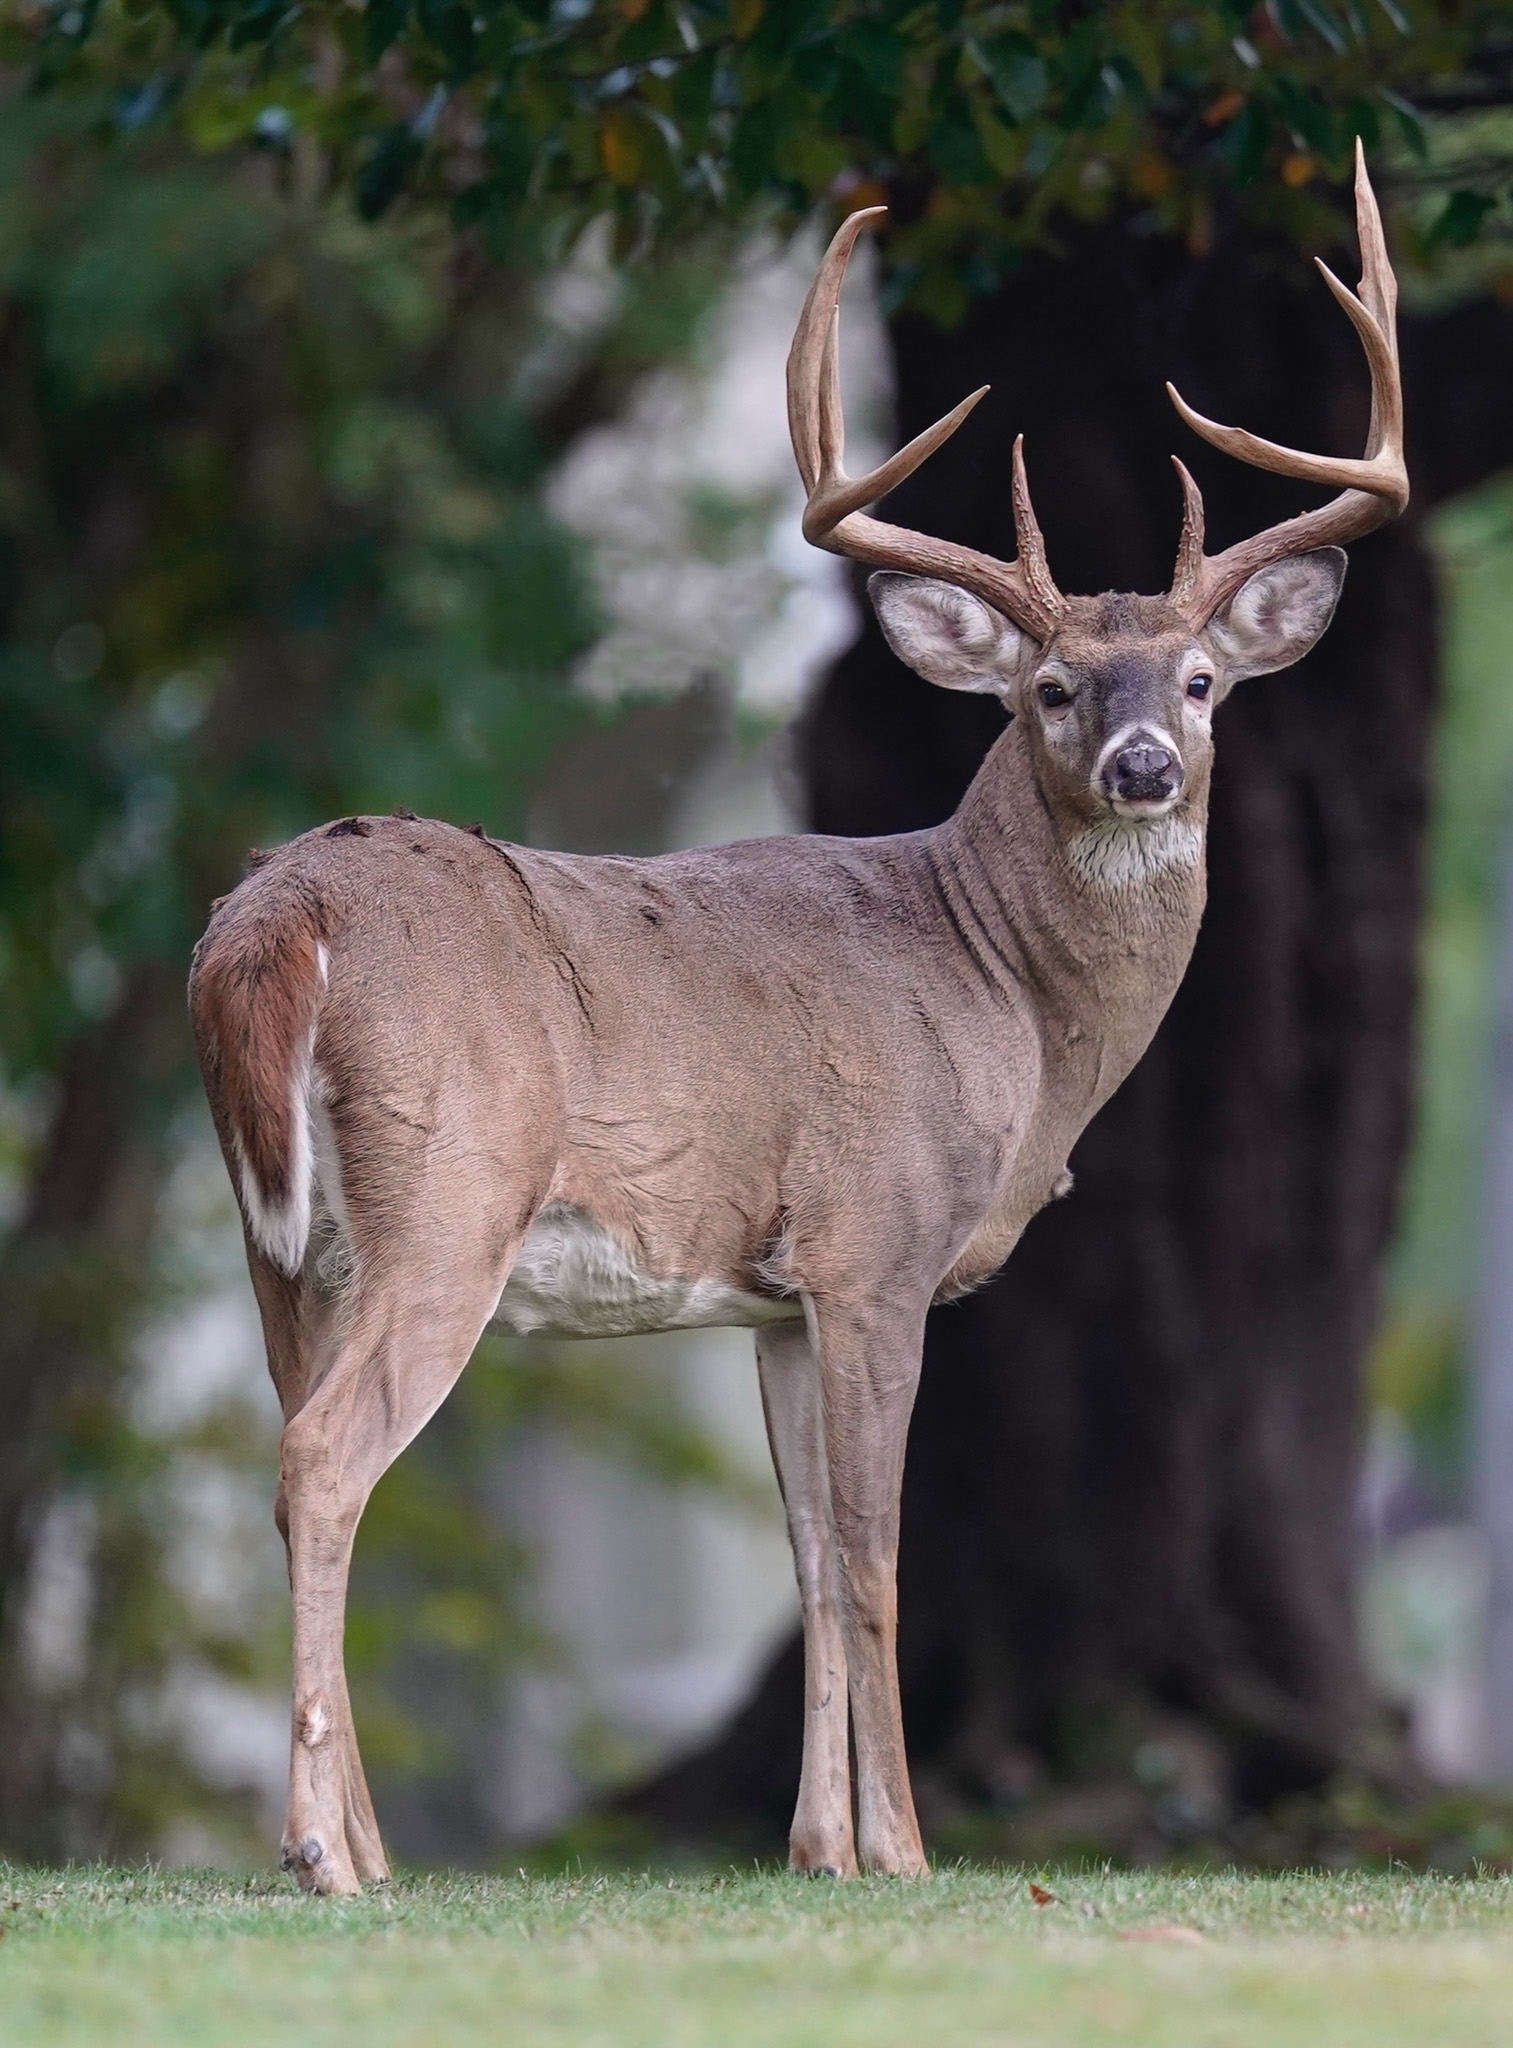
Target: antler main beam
(1024,589)
(1373,488)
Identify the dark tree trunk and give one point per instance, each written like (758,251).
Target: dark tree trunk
(1131,1471)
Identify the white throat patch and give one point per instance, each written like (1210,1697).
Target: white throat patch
(1116,854)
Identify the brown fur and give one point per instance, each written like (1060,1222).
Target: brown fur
(252,1001)
(850,1070)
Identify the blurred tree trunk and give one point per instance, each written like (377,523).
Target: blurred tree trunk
(1132,1467)
(1492,1370)
(70,1284)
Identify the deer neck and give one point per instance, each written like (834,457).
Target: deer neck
(1097,920)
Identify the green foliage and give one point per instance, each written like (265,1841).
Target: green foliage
(987,119)
(267,550)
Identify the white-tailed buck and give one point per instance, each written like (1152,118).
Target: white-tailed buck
(807,1085)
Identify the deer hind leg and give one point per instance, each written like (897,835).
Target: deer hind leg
(869,1373)
(405,1329)
(296,1320)
(821,1837)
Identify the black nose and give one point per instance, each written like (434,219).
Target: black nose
(1144,773)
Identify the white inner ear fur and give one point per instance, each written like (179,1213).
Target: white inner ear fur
(1277,616)
(948,636)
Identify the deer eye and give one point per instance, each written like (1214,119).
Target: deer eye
(1200,686)
(1052,694)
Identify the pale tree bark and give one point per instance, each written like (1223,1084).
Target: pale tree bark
(68,1297)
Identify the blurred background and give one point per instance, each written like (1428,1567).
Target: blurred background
(391,416)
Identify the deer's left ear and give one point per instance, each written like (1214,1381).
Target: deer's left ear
(948,636)
(1275,618)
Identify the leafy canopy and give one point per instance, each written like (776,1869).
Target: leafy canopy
(982,120)
(270,546)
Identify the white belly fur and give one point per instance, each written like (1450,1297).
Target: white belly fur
(572,1279)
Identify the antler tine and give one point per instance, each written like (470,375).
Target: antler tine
(1378,287)
(1374,487)
(833,518)
(813,379)
(1029,540)
(814,401)
(1190,547)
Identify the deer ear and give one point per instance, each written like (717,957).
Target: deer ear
(1275,618)
(948,636)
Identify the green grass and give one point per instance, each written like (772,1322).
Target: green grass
(758,1961)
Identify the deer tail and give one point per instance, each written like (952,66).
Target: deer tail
(254,998)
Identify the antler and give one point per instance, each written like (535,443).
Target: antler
(1374,488)
(1023,590)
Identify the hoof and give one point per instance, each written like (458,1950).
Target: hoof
(315,1869)
(299,1857)
(838,1866)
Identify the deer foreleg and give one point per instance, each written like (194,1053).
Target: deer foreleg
(868,1376)
(821,1838)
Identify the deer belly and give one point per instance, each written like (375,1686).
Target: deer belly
(574,1279)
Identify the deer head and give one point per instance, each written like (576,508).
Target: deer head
(1117,692)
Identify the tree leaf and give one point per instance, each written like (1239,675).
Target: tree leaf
(385,21)
(1019,75)
(1244,142)
(877,52)
(622,145)
(1410,123)
(1460,223)
(1323,22)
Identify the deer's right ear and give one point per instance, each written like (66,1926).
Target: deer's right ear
(948,636)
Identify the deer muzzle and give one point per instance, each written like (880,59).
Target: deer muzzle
(1143,775)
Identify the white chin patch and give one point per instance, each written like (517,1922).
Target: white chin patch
(1131,811)
(1119,853)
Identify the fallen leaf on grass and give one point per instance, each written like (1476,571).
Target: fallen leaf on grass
(1042,1897)
(1189,1935)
